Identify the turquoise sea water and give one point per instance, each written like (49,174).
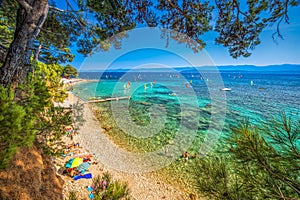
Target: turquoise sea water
(186,99)
(186,103)
(271,93)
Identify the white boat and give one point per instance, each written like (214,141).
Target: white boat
(225,89)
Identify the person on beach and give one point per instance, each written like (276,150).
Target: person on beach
(77,144)
(195,155)
(69,146)
(86,159)
(166,149)
(187,85)
(73,145)
(186,156)
(73,172)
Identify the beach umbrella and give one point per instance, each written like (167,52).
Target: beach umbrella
(69,163)
(76,162)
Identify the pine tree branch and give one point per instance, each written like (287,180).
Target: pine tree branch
(177,8)
(50,32)
(25,5)
(67,11)
(78,21)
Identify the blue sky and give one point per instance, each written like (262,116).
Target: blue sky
(144,47)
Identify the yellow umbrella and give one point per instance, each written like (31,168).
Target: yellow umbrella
(76,162)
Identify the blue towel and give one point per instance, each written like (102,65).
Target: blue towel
(89,188)
(91,196)
(87,176)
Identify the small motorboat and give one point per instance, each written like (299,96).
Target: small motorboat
(225,89)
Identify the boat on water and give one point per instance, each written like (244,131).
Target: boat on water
(225,89)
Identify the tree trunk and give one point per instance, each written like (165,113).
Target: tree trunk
(30,18)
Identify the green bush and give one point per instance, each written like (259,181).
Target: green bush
(27,111)
(106,189)
(16,126)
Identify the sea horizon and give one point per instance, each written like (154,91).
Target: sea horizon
(266,68)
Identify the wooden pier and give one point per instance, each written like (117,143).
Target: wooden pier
(109,99)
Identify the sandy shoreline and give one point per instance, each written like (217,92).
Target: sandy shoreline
(143,186)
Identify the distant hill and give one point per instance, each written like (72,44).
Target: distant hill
(285,67)
(270,68)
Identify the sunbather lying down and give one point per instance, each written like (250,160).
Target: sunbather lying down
(71,152)
(74,145)
(73,172)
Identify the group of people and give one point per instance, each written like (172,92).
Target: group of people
(127,86)
(185,155)
(82,165)
(79,162)
(71,149)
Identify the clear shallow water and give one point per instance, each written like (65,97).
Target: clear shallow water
(164,104)
(271,94)
(165,99)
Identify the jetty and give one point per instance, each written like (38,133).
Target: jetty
(109,99)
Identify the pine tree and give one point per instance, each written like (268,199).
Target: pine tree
(260,162)
(48,32)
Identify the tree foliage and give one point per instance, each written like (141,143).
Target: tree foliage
(7,27)
(32,115)
(261,163)
(69,71)
(12,116)
(90,24)
(239,29)
(52,74)
(18,117)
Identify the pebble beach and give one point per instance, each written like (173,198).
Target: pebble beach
(92,139)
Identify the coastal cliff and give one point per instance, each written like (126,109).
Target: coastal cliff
(31,175)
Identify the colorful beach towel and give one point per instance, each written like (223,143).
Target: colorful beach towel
(83,167)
